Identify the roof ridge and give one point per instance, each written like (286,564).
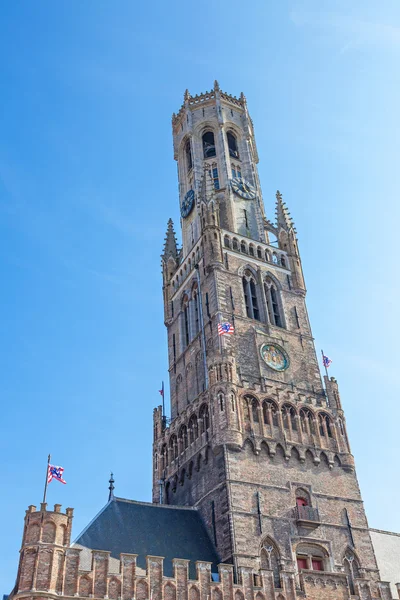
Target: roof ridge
(384,531)
(174,506)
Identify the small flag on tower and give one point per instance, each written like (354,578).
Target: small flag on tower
(162,390)
(225,329)
(326,361)
(55,473)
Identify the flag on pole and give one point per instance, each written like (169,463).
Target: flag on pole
(54,472)
(225,329)
(162,390)
(326,361)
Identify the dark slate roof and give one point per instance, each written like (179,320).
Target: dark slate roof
(150,529)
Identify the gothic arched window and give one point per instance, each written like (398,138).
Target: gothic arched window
(307,421)
(193,429)
(227,242)
(183,438)
(188,152)
(173,446)
(302,497)
(208,145)
(250,296)
(204,418)
(325,428)
(246,408)
(271,295)
(352,569)
(289,417)
(270,413)
(164,456)
(243,247)
(232,145)
(254,410)
(270,560)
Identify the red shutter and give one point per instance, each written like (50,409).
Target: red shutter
(317,564)
(302,563)
(301,502)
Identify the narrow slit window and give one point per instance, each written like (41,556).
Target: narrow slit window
(214,176)
(189,159)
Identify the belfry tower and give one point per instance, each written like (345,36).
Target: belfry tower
(256,441)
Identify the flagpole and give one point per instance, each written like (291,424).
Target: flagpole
(323,362)
(47,475)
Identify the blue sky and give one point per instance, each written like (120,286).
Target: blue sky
(88,181)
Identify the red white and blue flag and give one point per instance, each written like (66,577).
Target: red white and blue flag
(54,472)
(326,361)
(225,329)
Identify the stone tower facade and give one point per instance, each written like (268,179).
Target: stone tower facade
(257,442)
(254,468)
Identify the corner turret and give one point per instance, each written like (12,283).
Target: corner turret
(46,537)
(286,233)
(283,218)
(170,245)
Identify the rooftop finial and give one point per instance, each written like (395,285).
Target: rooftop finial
(216,86)
(111,487)
(170,246)
(186,95)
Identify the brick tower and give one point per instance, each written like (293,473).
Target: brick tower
(45,558)
(256,442)
(255,495)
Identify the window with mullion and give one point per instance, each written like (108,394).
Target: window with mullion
(254,301)
(273,308)
(214,176)
(247,297)
(250,298)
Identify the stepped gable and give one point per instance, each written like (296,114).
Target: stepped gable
(130,527)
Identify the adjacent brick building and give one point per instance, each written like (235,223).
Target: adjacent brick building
(255,494)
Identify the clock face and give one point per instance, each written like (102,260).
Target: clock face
(244,189)
(187,204)
(275,357)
